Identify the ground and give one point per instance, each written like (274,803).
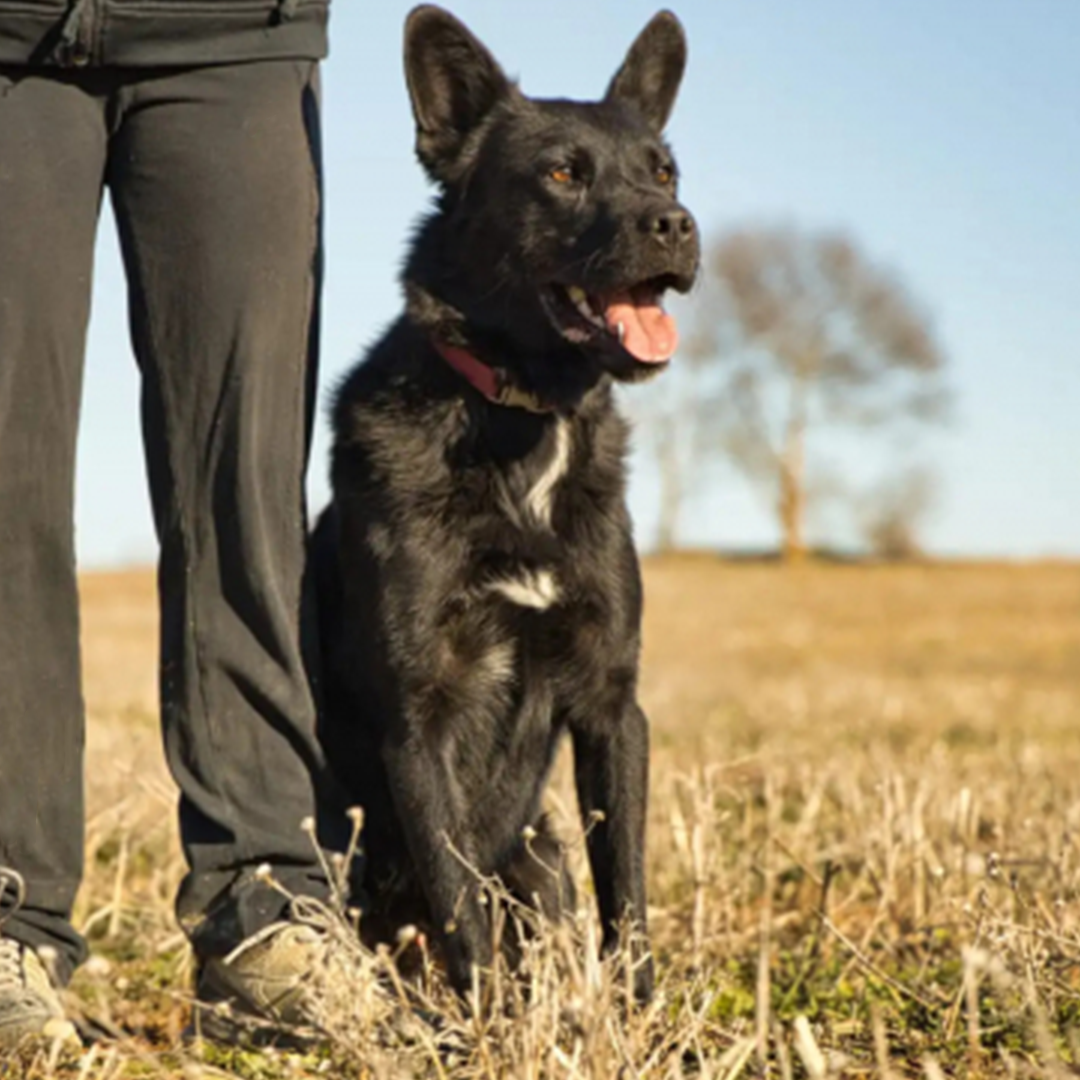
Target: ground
(864,846)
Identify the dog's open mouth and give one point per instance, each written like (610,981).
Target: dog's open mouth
(633,317)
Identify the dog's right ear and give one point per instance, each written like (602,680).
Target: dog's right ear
(652,71)
(454,83)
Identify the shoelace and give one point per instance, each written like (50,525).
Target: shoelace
(11,881)
(12,978)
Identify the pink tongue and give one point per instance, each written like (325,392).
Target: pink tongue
(649,332)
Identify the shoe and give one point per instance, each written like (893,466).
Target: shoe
(271,990)
(268,974)
(302,985)
(29,1005)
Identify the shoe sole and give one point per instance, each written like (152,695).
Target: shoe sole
(229,1025)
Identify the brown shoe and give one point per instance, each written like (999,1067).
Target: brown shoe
(269,976)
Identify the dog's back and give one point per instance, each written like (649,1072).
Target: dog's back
(479,590)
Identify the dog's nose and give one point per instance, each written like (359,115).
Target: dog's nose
(670,227)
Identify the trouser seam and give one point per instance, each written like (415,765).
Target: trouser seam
(304,349)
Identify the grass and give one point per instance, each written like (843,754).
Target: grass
(864,848)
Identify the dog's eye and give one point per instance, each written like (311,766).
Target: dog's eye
(562,174)
(665,174)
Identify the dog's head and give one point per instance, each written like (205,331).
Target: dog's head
(559,228)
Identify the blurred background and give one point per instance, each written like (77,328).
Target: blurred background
(883,355)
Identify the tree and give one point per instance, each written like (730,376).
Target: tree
(806,332)
(672,417)
(894,512)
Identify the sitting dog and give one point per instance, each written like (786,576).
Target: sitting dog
(479,590)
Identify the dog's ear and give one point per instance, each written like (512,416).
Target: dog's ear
(454,83)
(652,71)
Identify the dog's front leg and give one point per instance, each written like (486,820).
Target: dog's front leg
(430,814)
(611,766)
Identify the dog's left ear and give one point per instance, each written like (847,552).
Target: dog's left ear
(454,83)
(652,71)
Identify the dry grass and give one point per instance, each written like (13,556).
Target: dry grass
(864,847)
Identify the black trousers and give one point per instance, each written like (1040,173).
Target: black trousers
(214,176)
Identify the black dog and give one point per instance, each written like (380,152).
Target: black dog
(479,590)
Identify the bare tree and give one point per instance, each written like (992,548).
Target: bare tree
(672,418)
(806,332)
(895,511)
(673,480)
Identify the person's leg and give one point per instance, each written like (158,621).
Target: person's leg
(214,176)
(52,162)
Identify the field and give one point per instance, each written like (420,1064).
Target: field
(864,847)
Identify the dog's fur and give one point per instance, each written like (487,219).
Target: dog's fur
(479,591)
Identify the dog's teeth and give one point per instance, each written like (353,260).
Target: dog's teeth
(577,295)
(586,312)
(621,332)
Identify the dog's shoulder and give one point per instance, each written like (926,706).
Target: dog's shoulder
(393,419)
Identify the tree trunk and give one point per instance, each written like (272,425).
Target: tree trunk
(792,513)
(792,493)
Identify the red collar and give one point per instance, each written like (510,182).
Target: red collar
(491,382)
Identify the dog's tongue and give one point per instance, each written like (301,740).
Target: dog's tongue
(649,332)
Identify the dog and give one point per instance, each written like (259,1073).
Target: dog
(479,591)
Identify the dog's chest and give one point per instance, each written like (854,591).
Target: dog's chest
(526,495)
(540,609)
(528,489)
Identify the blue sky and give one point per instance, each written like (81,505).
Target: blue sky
(944,136)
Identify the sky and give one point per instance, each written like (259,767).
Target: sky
(944,137)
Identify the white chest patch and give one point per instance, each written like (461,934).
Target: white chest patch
(540,496)
(537,590)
